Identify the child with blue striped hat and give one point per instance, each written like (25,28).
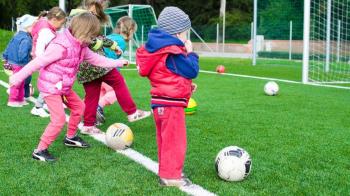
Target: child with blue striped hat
(168,61)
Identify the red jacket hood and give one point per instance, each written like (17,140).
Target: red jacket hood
(145,60)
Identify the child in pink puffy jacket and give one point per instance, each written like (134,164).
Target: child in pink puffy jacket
(58,69)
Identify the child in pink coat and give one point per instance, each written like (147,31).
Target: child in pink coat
(58,69)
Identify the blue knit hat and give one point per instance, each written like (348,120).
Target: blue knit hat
(173,20)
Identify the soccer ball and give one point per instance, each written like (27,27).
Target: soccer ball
(119,136)
(220,69)
(233,163)
(271,88)
(191,107)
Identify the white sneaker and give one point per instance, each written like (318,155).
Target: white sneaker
(31,99)
(23,103)
(138,115)
(45,107)
(14,104)
(39,112)
(175,182)
(90,130)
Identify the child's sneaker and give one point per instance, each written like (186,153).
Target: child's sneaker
(23,103)
(76,141)
(100,116)
(43,155)
(138,115)
(31,99)
(14,104)
(90,130)
(39,112)
(45,107)
(175,182)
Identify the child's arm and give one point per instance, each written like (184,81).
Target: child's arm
(53,53)
(101,61)
(185,66)
(5,54)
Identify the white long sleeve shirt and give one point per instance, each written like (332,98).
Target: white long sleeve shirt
(45,36)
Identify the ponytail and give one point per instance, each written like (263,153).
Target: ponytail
(102,17)
(43,14)
(126,26)
(54,12)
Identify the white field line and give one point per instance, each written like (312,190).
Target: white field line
(276,79)
(262,78)
(254,77)
(148,163)
(4,84)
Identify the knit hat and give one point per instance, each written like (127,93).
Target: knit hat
(25,21)
(173,20)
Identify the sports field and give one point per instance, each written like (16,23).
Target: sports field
(298,141)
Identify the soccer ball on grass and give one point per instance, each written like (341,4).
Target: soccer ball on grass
(119,136)
(233,163)
(271,88)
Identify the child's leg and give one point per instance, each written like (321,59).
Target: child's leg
(27,87)
(117,82)
(158,121)
(171,140)
(16,91)
(76,106)
(107,99)
(92,95)
(57,121)
(107,95)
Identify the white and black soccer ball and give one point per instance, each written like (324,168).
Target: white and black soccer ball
(271,88)
(119,136)
(233,163)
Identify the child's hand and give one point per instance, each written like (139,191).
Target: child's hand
(188,46)
(14,81)
(193,87)
(118,51)
(7,65)
(125,63)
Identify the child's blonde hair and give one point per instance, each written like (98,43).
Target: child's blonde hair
(85,27)
(126,26)
(87,4)
(54,12)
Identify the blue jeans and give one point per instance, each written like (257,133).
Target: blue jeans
(26,87)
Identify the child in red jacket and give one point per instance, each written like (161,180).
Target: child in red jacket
(168,60)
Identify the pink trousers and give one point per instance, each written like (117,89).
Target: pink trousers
(17,92)
(58,117)
(171,140)
(92,95)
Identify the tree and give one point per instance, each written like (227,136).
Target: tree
(274,18)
